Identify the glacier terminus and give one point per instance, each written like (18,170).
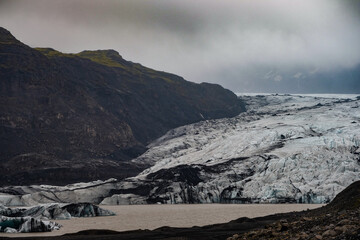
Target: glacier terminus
(284,148)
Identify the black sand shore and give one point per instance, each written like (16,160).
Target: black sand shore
(216,231)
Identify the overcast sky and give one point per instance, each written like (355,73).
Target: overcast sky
(240,44)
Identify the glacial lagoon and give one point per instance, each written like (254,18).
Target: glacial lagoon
(132,217)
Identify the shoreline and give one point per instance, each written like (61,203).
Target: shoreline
(152,217)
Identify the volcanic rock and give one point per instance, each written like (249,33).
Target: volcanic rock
(68,118)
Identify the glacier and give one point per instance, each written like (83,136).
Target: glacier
(284,148)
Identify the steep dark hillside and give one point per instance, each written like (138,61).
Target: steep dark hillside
(62,114)
(348,199)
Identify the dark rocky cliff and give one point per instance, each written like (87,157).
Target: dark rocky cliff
(81,117)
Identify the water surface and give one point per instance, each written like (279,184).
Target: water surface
(132,217)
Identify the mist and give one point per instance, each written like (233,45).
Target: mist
(249,45)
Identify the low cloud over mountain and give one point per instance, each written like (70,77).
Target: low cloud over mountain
(249,45)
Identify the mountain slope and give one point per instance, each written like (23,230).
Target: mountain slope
(66,111)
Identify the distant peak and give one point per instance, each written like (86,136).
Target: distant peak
(3,30)
(108,57)
(106,52)
(6,36)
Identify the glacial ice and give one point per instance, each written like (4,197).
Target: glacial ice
(92,192)
(26,225)
(285,148)
(290,149)
(37,218)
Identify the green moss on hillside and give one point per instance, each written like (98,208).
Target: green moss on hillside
(104,57)
(110,58)
(49,52)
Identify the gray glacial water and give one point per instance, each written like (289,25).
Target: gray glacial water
(131,217)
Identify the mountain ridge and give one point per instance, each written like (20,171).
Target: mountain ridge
(90,107)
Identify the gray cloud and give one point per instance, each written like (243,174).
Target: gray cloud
(234,43)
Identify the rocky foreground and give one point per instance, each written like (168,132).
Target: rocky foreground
(338,220)
(337,225)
